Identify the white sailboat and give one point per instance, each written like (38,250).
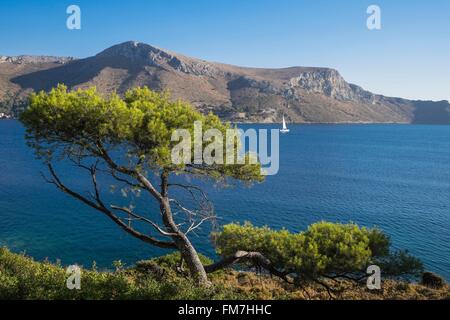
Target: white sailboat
(284,129)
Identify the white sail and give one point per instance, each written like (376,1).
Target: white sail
(284,129)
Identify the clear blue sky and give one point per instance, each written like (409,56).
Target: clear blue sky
(408,57)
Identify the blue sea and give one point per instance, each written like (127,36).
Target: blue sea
(396,177)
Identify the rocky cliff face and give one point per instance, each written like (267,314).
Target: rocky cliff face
(147,55)
(34,59)
(331,84)
(302,94)
(323,81)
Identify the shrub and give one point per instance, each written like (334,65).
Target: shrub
(23,278)
(324,249)
(433,280)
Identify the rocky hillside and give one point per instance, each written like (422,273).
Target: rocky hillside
(12,95)
(303,94)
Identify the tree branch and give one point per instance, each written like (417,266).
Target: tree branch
(100,207)
(139,217)
(256,258)
(194,225)
(189,188)
(131,172)
(113,173)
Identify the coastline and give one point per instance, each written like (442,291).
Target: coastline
(313,123)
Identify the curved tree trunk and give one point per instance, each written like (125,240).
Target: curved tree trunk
(184,245)
(256,259)
(180,240)
(190,256)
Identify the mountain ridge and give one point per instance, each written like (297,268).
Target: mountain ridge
(244,94)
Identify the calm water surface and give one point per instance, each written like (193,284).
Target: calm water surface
(394,176)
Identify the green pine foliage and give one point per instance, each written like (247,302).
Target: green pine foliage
(138,126)
(324,249)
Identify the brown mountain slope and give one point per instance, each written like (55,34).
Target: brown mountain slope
(236,93)
(12,95)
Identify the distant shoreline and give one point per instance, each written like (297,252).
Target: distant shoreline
(316,123)
(339,123)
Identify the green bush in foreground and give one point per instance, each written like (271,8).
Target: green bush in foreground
(324,249)
(23,278)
